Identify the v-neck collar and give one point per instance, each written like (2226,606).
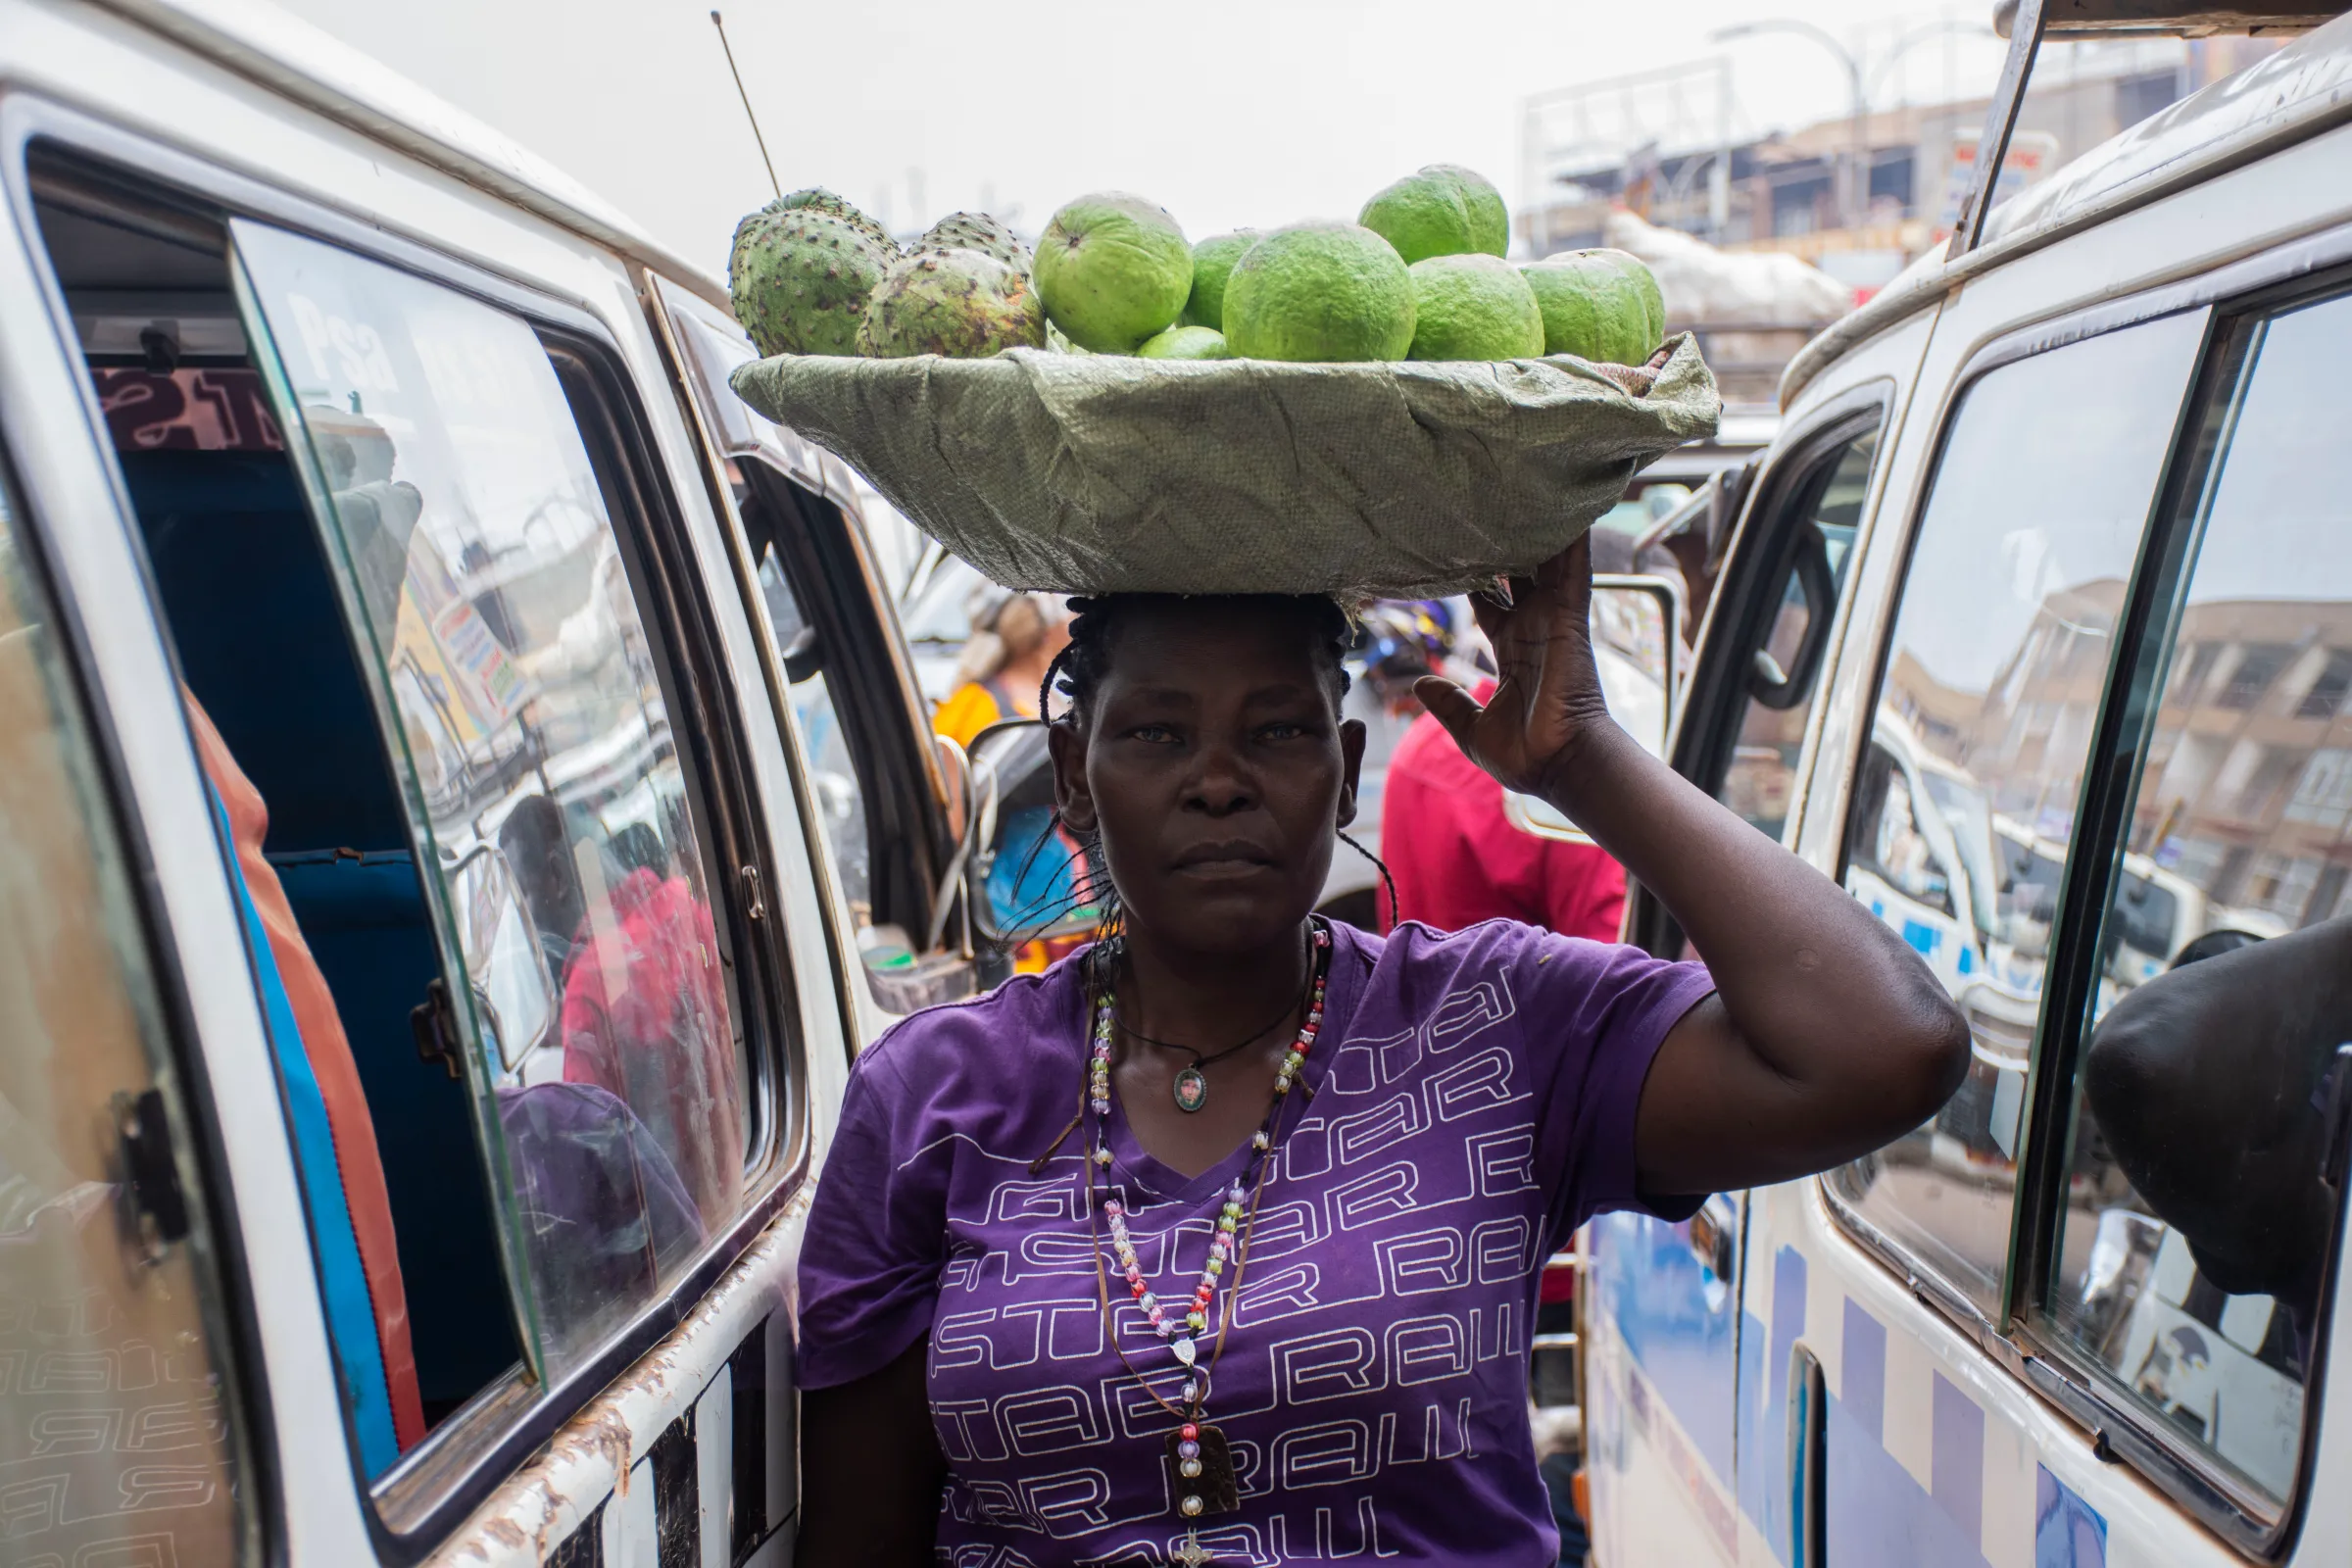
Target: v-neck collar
(1164,1183)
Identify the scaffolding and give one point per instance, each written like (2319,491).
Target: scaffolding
(1664,130)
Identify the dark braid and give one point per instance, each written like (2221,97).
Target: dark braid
(1078,669)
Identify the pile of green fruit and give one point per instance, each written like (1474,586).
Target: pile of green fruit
(1419,275)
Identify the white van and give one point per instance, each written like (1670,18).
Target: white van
(2093,576)
(464,800)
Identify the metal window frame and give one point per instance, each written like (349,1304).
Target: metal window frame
(436,1484)
(2302,271)
(1706,722)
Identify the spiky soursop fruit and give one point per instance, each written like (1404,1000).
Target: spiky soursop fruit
(957,303)
(800,279)
(818,199)
(977,231)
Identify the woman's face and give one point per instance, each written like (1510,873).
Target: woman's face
(1216,768)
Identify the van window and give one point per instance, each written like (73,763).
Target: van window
(2198,1217)
(1783,670)
(1965,802)
(765,501)
(586,994)
(116,1440)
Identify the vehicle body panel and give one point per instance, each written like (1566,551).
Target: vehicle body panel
(1948,1438)
(266,117)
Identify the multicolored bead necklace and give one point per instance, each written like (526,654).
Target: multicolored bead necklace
(1198,1454)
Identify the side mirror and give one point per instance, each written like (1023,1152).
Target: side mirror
(1027,877)
(1637,643)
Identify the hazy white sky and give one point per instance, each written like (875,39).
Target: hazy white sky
(1227,112)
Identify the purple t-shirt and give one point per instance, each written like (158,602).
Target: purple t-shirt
(1474,1098)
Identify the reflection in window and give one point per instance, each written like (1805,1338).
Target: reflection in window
(1761,780)
(114,1429)
(553,799)
(1965,802)
(2196,1223)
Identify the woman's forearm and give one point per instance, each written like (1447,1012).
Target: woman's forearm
(1843,1036)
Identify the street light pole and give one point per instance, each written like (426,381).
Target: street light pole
(1853,191)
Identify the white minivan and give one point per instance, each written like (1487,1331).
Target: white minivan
(464,800)
(2058,535)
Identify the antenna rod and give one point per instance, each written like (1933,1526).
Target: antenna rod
(773,184)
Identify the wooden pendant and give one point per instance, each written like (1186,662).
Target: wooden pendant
(1216,1487)
(1191,1090)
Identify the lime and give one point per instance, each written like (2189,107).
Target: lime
(1443,209)
(1213,260)
(1186,343)
(1320,292)
(1490,218)
(1599,305)
(1113,269)
(1474,308)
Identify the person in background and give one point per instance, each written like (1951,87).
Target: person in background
(1014,638)
(1457,859)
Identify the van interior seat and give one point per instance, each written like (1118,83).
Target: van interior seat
(261,641)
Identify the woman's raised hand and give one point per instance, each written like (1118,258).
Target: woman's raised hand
(1547,703)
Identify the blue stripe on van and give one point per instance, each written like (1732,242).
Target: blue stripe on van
(1878,1516)
(1862,1372)
(1956,1464)
(343,1282)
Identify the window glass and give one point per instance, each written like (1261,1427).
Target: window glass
(832,769)
(115,1444)
(1762,774)
(759,482)
(1965,802)
(546,785)
(2197,1221)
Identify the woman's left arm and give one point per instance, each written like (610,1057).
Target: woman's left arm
(1825,1037)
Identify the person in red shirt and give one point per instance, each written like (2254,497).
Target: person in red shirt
(1458,861)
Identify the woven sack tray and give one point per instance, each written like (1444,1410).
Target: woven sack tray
(1086,474)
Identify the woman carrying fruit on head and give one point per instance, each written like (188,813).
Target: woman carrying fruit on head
(1095,1274)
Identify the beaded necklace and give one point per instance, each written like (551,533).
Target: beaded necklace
(1199,1461)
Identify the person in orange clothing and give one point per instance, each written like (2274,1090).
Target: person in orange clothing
(1458,861)
(332,1061)
(1014,638)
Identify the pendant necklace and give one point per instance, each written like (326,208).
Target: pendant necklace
(1190,1090)
(1198,1459)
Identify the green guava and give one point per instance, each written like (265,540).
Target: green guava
(1474,308)
(1214,261)
(1321,292)
(1443,209)
(1186,343)
(1490,215)
(1598,305)
(1113,269)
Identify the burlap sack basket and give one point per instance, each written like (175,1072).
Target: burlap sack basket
(1082,473)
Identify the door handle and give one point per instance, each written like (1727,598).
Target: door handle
(1808,1414)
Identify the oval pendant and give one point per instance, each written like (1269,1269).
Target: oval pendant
(1191,1090)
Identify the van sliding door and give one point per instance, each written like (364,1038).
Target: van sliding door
(589,995)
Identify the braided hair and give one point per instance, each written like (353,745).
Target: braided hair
(1078,669)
